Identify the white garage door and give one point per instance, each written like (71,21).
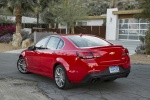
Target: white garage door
(132,29)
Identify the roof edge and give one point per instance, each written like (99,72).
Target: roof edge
(94,17)
(137,11)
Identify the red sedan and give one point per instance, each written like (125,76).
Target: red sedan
(75,59)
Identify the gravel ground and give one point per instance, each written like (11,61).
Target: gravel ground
(140,59)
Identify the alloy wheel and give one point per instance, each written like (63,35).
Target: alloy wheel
(60,77)
(21,66)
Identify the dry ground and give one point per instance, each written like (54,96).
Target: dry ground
(7,47)
(140,59)
(135,59)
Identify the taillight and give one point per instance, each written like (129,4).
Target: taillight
(125,52)
(87,55)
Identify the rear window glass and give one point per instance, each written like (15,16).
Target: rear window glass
(88,41)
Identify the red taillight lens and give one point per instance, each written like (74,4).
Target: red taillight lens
(88,55)
(96,54)
(125,52)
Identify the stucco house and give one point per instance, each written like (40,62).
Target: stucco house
(122,25)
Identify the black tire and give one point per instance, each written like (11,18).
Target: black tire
(61,79)
(21,65)
(109,80)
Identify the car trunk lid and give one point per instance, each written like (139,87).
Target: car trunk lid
(114,54)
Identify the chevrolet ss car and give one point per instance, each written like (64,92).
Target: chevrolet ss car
(71,59)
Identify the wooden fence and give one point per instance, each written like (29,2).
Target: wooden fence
(94,30)
(59,31)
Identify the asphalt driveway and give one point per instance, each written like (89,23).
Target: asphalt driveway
(135,87)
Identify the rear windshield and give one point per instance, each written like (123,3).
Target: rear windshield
(88,41)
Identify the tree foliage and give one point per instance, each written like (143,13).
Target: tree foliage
(38,8)
(97,8)
(12,4)
(65,11)
(145,5)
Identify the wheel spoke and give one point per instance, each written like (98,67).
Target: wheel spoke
(58,72)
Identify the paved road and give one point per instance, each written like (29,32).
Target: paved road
(135,87)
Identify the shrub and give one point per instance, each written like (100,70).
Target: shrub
(147,41)
(7,29)
(6,33)
(24,34)
(141,48)
(6,38)
(145,46)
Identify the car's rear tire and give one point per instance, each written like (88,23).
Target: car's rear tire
(61,79)
(21,65)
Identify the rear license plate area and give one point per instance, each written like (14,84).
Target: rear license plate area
(114,69)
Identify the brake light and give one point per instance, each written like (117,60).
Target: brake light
(88,55)
(125,52)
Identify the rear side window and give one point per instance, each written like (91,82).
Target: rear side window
(53,43)
(88,41)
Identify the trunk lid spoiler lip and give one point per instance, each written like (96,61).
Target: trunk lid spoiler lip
(98,47)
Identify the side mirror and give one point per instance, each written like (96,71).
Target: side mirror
(31,48)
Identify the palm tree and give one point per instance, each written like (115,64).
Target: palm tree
(113,3)
(17,8)
(40,6)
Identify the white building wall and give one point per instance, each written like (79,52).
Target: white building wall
(24,19)
(111,25)
(90,22)
(62,26)
(29,20)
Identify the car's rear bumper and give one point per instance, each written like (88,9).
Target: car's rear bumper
(105,75)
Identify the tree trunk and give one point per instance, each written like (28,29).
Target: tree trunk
(17,38)
(72,29)
(68,28)
(113,3)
